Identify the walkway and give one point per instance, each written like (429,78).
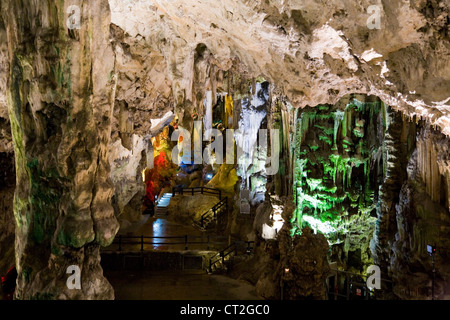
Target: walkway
(168,284)
(165,285)
(162,205)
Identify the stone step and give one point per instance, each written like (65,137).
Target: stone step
(162,204)
(161,212)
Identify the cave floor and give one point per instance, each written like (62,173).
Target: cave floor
(164,285)
(175,285)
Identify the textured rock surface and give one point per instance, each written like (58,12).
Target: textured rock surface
(144,91)
(126,168)
(295,266)
(422,218)
(188,209)
(7,172)
(339,161)
(225,179)
(325,49)
(143,94)
(304,265)
(60,99)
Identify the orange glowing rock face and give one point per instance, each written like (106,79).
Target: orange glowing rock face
(160,176)
(161,161)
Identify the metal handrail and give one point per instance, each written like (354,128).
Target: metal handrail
(120,240)
(220,256)
(214,210)
(195,190)
(357,274)
(349,282)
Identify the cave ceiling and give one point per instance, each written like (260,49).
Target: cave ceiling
(314,52)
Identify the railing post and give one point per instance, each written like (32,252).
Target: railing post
(120,243)
(185,242)
(142,242)
(192,190)
(336,287)
(201,221)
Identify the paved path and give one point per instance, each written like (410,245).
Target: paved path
(178,286)
(172,285)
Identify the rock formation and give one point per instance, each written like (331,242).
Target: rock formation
(326,50)
(60,98)
(7,169)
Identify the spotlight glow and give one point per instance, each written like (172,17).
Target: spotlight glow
(317,225)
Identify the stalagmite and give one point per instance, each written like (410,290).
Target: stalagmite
(228,110)
(207,120)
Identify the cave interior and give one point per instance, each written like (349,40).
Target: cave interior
(289,144)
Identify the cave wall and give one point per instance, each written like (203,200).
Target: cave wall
(372,181)
(60,94)
(375,183)
(420,216)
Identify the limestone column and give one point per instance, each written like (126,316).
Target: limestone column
(60,100)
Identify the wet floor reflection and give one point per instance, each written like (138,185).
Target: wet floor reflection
(166,228)
(158,227)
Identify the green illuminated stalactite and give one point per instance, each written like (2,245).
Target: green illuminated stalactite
(332,170)
(339,116)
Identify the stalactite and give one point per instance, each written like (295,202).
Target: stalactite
(330,142)
(339,116)
(207,119)
(430,168)
(252,116)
